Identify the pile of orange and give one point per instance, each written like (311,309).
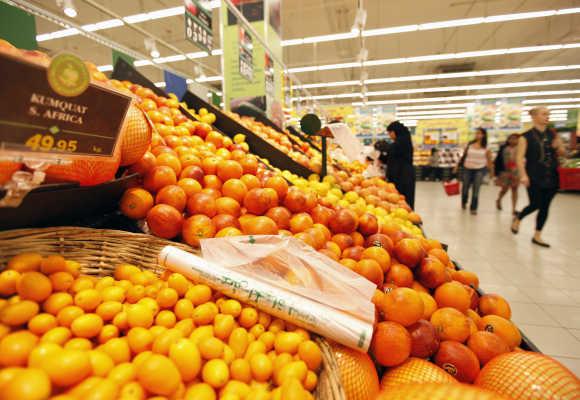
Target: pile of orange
(135,336)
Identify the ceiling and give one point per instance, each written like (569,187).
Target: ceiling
(307,18)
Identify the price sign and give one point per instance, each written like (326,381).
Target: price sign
(35,119)
(246,57)
(198,25)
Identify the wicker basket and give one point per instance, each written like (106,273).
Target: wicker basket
(99,251)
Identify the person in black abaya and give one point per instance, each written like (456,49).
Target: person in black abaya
(398,157)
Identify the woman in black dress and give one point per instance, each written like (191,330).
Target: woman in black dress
(399,161)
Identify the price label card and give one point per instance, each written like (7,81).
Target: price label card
(198,25)
(246,57)
(35,119)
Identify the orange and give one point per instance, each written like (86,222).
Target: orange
(429,305)
(391,344)
(190,186)
(502,327)
(88,299)
(400,275)
(169,160)
(403,305)
(136,202)
(165,339)
(68,367)
(216,373)
(34,286)
(486,345)
(450,324)
(108,309)
(370,269)
(466,277)
(179,283)
(494,304)
(229,169)
(15,348)
(18,313)
(27,384)
(78,344)
(125,372)
(107,333)
(378,254)
(66,315)
(51,264)
(8,281)
(453,294)
(248,317)
(101,363)
(166,298)
(81,283)
(235,189)
(165,318)
(25,262)
(132,391)
(300,222)
(124,271)
(87,325)
(56,302)
(440,254)
(310,353)
(172,195)
(61,281)
(58,335)
(158,375)
(165,221)
(41,323)
(358,373)
(139,315)
(200,391)
(41,352)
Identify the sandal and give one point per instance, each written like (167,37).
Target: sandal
(514,230)
(542,244)
(498,204)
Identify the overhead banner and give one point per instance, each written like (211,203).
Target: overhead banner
(442,132)
(175,84)
(250,75)
(510,114)
(198,29)
(483,115)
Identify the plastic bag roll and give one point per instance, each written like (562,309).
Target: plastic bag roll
(303,312)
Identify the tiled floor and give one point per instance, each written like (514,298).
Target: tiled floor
(542,285)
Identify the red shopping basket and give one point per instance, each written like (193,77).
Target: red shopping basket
(451,187)
(569,178)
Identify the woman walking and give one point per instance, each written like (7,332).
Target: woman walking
(475,161)
(399,161)
(537,160)
(507,171)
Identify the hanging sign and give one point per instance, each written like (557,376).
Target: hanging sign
(57,113)
(198,25)
(246,57)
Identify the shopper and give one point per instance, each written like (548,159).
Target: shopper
(475,161)
(398,159)
(507,171)
(537,162)
(433,170)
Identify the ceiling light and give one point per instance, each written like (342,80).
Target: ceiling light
(431,106)
(444,24)
(68,8)
(450,75)
(160,84)
(110,23)
(472,97)
(105,68)
(451,88)
(436,57)
(151,47)
(433,112)
(210,79)
(416,117)
(540,101)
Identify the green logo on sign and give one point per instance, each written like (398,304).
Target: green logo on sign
(68,75)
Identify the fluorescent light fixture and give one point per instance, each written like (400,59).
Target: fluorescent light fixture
(471,97)
(163,13)
(541,101)
(448,89)
(417,117)
(210,79)
(141,63)
(105,68)
(57,34)
(434,57)
(432,106)
(437,25)
(160,84)
(430,112)
(163,60)
(110,23)
(451,75)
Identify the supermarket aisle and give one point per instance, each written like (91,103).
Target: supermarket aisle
(542,285)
